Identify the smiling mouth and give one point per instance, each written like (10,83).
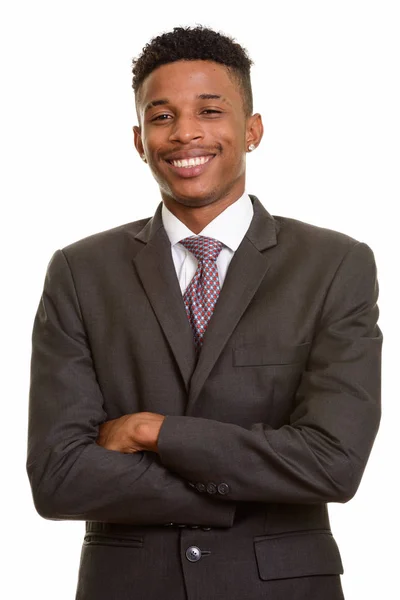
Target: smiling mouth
(187,163)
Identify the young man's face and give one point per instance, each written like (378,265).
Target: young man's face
(194,132)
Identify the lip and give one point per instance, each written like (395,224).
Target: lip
(187,172)
(186,154)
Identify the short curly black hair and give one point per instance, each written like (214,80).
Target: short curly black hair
(196,43)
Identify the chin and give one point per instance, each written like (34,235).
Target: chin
(192,200)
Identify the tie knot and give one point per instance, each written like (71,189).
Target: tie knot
(203,248)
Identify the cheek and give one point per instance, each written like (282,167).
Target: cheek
(150,146)
(234,153)
(152,140)
(232,139)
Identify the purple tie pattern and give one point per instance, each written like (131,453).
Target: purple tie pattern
(202,292)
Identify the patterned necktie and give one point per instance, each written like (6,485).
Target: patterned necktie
(203,291)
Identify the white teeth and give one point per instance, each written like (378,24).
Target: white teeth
(191,162)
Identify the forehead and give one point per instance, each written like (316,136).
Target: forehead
(186,80)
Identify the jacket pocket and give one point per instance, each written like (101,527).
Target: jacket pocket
(299,554)
(255,354)
(101,539)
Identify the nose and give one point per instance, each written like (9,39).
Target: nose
(185,129)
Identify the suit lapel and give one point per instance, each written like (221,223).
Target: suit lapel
(247,269)
(156,271)
(245,273)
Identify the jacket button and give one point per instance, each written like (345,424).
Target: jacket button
(191,484)
(211,487)
(223,488)
(193,553)
(206,528)
(193,526)
(200,487)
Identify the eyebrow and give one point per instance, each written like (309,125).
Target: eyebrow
(156,103)
(210,97)
(163,101)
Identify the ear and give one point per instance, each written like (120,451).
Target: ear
(138,140)
(254,131)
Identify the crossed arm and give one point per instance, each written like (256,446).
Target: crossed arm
(136,468)
(72,476)
(320,455)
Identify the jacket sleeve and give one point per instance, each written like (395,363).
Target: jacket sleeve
(71,476)
(321,453)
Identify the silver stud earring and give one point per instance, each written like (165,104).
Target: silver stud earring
(251,148)
(143,157)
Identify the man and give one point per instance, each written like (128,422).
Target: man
(205,381)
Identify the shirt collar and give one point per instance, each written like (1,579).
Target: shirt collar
(229,227)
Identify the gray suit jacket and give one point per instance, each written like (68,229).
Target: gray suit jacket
(275,419)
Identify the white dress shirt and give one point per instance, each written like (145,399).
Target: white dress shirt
(229,227)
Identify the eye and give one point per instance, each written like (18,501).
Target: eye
(211,111)
(162,117)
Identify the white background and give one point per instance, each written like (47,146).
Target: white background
(326,80)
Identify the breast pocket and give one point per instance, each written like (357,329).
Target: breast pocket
(251,355)
(271,374)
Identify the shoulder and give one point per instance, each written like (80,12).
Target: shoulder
(295,229)
(108,236)
(105,244)
(294,236)
(306,238)
(320,246)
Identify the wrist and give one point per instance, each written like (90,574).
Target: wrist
(148,434)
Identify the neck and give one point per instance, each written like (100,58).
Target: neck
(196,218)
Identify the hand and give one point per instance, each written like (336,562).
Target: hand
(131,433)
